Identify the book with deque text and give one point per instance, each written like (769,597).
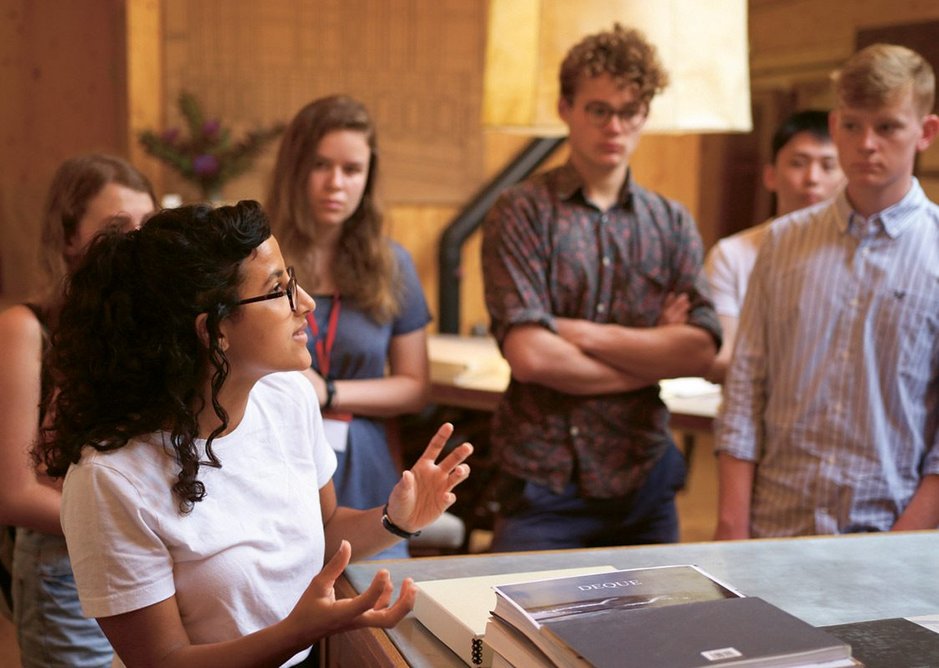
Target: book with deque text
(528,606)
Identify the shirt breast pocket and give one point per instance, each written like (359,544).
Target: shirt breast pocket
(906,324)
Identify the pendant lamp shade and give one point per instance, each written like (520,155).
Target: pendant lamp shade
(702,44)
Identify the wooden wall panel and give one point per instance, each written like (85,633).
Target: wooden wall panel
(62,92)
(417,65)
(797,39)
(144,49)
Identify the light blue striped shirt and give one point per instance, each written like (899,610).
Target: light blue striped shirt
(834,383)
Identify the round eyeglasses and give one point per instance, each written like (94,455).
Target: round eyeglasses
(290,293)
(600,113)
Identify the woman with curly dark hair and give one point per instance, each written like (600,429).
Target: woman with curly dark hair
(87,194)
(198,502)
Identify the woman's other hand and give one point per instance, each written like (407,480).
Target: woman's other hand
(318,613)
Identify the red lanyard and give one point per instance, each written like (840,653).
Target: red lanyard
(324,345)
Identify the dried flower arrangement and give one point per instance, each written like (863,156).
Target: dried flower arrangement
(209,157)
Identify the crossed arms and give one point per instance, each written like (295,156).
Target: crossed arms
(585,357)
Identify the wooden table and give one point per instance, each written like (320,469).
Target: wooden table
(823,580)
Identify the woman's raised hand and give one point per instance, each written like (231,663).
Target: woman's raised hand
(426,489)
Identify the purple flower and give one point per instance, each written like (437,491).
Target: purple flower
(210,129)
(169,135)
(205,165)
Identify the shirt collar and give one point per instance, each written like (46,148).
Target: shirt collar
(569,182)
(894,219)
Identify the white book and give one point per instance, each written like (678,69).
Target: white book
(456,609)
(499,662)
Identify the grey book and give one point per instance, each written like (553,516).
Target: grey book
(725,632)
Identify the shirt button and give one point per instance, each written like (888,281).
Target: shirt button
(606,261)
(601,308)
(574,431)
(603,219)
(854,302)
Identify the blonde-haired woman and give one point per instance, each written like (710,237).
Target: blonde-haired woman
(368,340)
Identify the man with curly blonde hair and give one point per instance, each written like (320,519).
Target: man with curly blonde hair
(595,292)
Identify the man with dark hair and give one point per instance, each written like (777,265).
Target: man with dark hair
(830,421)
(580,263)
(803,170)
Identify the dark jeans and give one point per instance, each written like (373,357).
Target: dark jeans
(544,520)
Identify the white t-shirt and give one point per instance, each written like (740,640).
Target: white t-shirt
(728,266)
(244,555)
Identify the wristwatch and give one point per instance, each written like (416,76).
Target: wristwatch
(330,394)
(391,527)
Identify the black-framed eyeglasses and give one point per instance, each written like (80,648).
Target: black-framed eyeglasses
(600,113)
(290,293)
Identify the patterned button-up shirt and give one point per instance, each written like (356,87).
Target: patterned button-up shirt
(834,386)
(548,252)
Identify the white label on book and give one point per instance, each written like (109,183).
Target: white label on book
(720,654)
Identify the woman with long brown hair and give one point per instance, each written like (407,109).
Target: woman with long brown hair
(371,314)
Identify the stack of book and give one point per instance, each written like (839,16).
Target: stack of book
(668,617)
(456,610)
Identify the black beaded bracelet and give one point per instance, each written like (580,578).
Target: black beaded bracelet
(330,394)
(391,527)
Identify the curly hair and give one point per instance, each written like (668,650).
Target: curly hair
(875,74)
(365,270)
(76,182)
(623,53)
(127,357)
